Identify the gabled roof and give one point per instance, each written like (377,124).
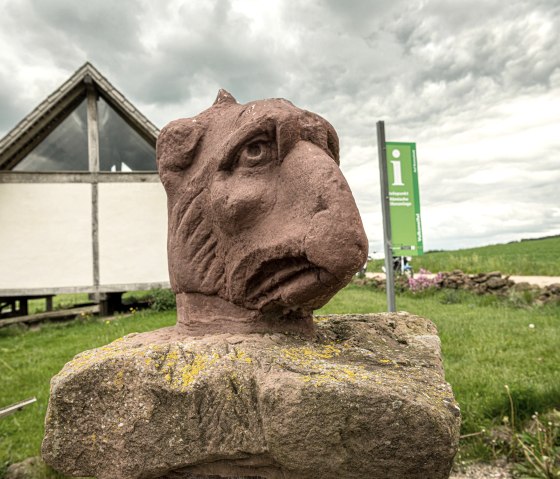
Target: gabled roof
(30,131)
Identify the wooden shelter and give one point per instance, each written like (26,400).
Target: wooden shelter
(81,205)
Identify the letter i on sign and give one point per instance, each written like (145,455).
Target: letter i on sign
(397,172)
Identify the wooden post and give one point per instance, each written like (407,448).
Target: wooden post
(110,303)
(92,125)
(93,155)
(23,306)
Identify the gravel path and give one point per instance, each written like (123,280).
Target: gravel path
(483,471)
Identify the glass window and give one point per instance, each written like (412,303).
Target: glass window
(121,148)
(64,149)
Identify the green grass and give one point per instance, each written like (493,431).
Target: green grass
(60,301)
(486,343)
(525,258)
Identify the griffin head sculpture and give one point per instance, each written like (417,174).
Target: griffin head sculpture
(263,228)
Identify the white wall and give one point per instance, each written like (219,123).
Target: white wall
(45,235)
(132,233)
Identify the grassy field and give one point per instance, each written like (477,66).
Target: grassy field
(487,343)
(525,258)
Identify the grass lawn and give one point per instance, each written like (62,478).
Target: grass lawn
(524,258)
(486,344)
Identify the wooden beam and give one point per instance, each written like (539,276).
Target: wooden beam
(76,177)
(23,306)
(109,288)
(60,314)
(37,132)
(93,155)
(92,126)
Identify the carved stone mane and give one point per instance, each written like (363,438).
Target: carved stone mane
(263,227)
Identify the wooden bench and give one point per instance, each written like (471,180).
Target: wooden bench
(23,302)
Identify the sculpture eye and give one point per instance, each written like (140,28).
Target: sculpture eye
(258,152)
(254,150)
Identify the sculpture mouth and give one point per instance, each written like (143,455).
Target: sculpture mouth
(287,282)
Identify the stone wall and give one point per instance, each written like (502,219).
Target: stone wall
(481,283)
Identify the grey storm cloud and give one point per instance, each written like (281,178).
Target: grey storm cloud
(64,30)
(472,82)
(11,110)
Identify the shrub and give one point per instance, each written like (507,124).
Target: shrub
(162,300)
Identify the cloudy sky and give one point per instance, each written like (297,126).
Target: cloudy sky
(475,83)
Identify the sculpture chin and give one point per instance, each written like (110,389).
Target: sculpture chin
(290,284)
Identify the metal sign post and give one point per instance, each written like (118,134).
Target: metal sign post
(388,248)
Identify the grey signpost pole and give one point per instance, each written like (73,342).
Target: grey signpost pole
(388,248)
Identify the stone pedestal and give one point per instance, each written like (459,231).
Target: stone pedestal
(366,398)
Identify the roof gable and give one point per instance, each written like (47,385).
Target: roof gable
(30,131)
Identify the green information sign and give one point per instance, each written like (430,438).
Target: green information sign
(404,199)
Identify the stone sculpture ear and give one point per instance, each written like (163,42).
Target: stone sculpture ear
(224,97)
(177,145)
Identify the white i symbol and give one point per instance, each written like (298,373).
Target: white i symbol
(397,172)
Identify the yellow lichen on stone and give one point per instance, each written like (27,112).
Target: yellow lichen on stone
(191,371)
(337,375)
(320,319)
(239,355)
(119,381)
(180,368)
(318,370)
(87,359)
(329,351)
(233,385)
(306,355)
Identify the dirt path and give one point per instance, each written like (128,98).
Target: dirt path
(541,281)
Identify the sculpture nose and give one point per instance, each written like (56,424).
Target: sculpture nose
(335,239)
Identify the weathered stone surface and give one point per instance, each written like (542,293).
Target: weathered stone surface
(263,227)
(365,398)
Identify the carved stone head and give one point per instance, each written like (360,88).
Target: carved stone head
(263,227)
